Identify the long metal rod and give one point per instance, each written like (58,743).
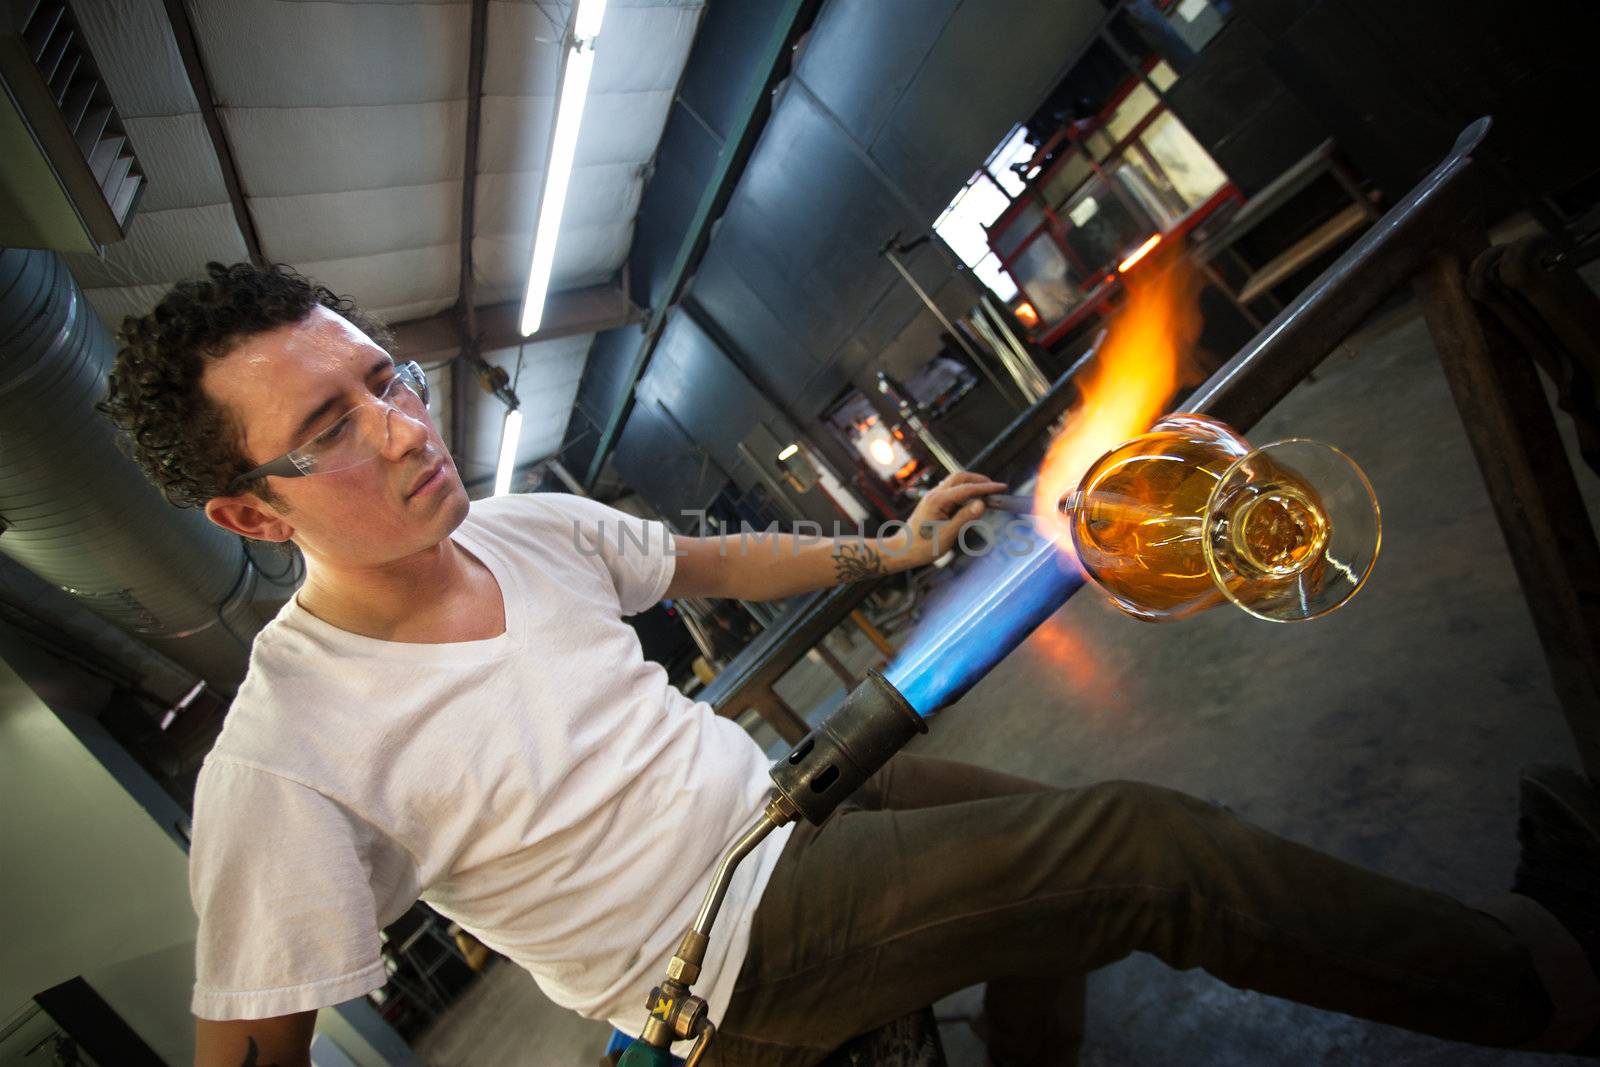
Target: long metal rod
(469,165)
(1025,430)
(905,407)
(1031,385)
(1038,383)
(1018,503)
(899,265)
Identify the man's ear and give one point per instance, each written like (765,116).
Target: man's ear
(248,515)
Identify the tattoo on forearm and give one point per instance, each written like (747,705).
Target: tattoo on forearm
(251,1053)
(855,561)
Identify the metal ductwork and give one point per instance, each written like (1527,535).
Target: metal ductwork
(79,513)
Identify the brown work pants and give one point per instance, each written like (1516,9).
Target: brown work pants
(939,875)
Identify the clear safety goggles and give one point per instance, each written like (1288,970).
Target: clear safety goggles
(358,435)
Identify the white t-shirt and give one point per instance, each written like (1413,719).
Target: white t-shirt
(546,788)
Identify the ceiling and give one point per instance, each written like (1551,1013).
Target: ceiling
(347,122)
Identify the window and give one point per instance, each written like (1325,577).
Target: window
(1109,182)
(989,191)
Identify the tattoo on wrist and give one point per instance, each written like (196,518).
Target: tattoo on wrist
(250,1054)
(856,561)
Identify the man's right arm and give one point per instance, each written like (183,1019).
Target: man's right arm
(282,1041)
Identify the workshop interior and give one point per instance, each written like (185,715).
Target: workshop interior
(1276,317)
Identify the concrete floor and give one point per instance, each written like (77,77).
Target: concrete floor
(1389,734)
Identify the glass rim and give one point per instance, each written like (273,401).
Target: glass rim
(1211,501)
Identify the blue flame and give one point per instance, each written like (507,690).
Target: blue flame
(982,616)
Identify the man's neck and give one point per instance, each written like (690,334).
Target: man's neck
(441,594)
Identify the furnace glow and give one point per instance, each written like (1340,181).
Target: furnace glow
(1127,387)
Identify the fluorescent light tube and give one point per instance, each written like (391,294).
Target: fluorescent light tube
(558,168)
(510,438)
(586,26)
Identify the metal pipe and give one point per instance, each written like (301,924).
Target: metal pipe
(889,252)
(674,1013)
(919,429)
(1027,369)
(1409,235)
(722,877)
(1026,385)
(1022,368)
(565,477)
(970,325)
(1017,503)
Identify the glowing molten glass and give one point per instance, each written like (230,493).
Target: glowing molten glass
(1186,516)
(883,451)
(1127,386)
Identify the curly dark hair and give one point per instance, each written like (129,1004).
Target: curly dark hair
(189,447)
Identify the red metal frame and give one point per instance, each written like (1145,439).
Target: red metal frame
(1105,283)
(1110,283)
(1122,92)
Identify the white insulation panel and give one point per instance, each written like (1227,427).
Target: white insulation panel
(137,55)
(315,54)
(288,151)
(320,226)
(179,165)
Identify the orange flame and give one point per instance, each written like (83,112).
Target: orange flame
(1127,386)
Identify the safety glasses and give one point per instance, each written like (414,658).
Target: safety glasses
(358,435)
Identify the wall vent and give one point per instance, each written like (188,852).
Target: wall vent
(69,179)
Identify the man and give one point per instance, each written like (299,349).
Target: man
(451,709)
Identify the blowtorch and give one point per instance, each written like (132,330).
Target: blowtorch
(828,765)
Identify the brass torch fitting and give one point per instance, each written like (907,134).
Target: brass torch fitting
(675,1015)
(685,966)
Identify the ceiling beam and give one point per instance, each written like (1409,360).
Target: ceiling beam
(200,84)
(469,167)
(576,311)
(467,322)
